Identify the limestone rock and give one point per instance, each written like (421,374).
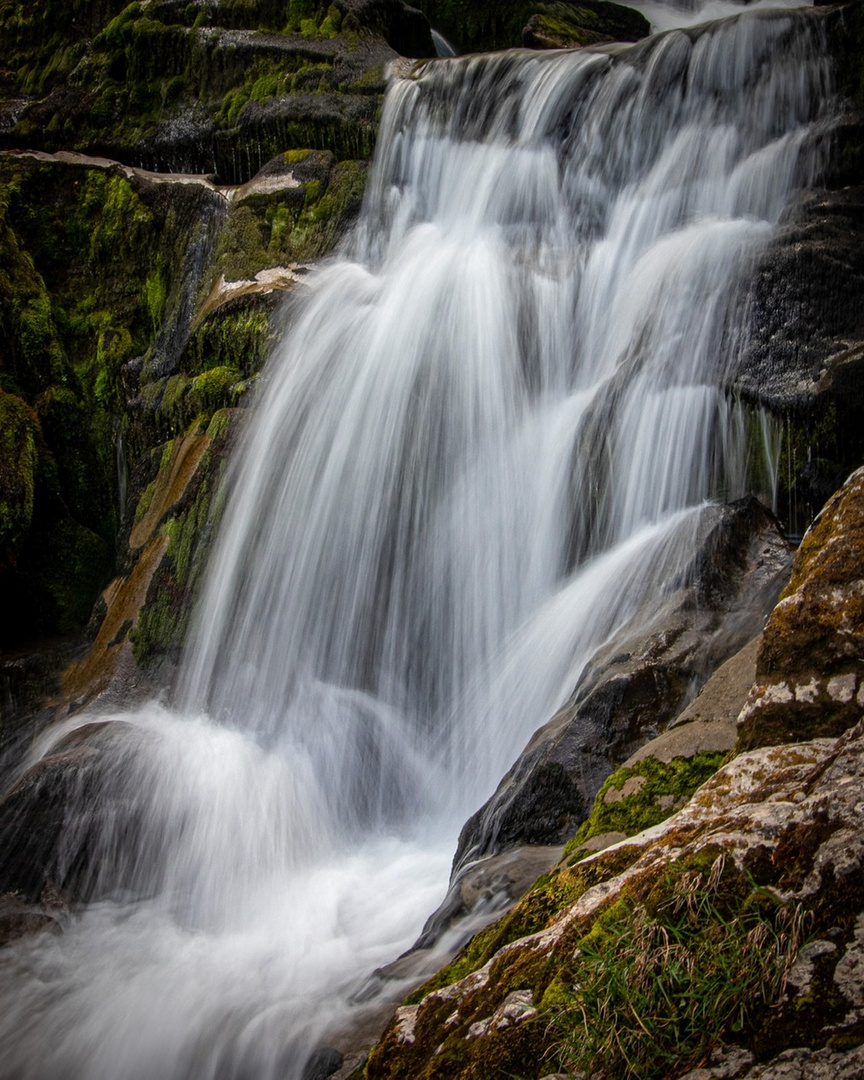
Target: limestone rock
(809,665)
(789,818)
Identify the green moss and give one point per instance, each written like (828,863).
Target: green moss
(653,780)
(155,293)
(18,430)
(239,335)
(144,502)
(560,33)
(219,424)
(210,390)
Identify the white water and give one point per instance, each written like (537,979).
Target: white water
(484,442)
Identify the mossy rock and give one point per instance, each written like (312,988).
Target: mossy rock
(482,26)
(639,796)
(18,430)
(809,674)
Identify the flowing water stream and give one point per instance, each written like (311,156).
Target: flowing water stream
(484,441)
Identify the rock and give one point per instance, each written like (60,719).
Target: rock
(807,326)
(484,889)
(18,919)
(809,667)
(574,25)
(798,1064)
(323,1064)
(782,826)
(637,684)
(709,724)
(156,87)
(485,25)
(751,821)
(54,819)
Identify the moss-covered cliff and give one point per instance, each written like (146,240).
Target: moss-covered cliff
(132,306)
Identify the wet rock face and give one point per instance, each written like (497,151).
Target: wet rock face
(806,319)
(486,25)
(637,684)
(809,666)
(49,834)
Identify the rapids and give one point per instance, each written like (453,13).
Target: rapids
(483,442)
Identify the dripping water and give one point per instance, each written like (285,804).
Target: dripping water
(486,438)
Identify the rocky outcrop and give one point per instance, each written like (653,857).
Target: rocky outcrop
(809,666)
(560,24)
(804,355)
(776,832)
(204,88)
(135,304)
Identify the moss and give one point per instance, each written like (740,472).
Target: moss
(549,32)
(163,620)
(210,390)
(239,335)
(240,254)
(652,781)
(143,504)
(219,423)
(326,214)
(17,472)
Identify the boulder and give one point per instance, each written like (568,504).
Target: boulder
(637,684)
(809,667)
(783,823)
(67,821)
(541,24)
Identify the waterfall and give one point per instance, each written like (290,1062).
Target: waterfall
(485,440)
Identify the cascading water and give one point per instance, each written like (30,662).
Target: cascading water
(484,442)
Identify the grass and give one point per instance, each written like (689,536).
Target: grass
(654,992)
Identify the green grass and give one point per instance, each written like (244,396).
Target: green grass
(654,991)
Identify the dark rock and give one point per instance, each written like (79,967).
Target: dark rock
(19,919)
(405,29)
(486,25)
(638,683)
(574,25)
(70,818)
(323,1063)
(806,319)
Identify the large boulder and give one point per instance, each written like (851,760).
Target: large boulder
(540,24)
(809,669)
(766,855)
(637,683)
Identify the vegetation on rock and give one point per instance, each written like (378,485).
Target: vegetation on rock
(483,25)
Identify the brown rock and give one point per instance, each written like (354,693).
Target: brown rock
(811,660)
